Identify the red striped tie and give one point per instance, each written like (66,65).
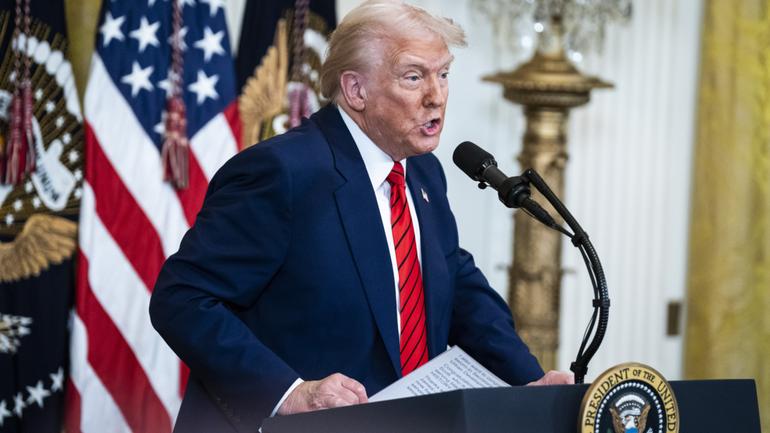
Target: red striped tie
(414,346)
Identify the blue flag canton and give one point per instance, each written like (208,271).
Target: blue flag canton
(134,43)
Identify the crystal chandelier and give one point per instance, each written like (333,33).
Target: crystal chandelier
(518,23)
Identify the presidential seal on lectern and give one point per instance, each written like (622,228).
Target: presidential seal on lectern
(629,398)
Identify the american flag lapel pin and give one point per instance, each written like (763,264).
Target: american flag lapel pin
(425,195)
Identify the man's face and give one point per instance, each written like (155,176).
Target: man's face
(406,95)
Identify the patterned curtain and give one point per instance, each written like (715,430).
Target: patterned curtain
(728,324)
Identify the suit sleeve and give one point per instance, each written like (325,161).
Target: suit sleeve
(481,321)
(482,325)
(237,244)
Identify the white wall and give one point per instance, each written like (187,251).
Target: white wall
(627,182)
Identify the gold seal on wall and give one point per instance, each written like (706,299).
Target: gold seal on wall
(629,398)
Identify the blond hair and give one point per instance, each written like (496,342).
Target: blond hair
(353,44)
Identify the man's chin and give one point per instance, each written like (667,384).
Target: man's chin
(427,145)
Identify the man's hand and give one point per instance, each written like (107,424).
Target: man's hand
(555,378)
(333,391)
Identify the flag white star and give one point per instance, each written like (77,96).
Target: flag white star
(49,106)
(17,205)
(111,29)
(138,79)
(38,94)
(182,35)
(78,174)
(37,394)
(57,380)
(8,219)
(211,43)
(204,87)
(4,413)
(145,34)
(59,121)
(36,202)
(73,156)
(19,405)
(214,5)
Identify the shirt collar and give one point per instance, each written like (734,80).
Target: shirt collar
(378,163)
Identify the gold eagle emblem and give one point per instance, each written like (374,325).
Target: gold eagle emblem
(618,424)
(44,240)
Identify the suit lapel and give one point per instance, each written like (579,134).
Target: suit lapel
(434,269)
(360,216)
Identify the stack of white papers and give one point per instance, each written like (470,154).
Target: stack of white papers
(452,370)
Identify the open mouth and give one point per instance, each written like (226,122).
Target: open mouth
(431,127)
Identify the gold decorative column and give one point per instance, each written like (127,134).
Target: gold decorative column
(547,86)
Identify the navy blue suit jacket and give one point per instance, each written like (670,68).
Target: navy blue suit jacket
(286,274)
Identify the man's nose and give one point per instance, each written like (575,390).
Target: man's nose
(435,95)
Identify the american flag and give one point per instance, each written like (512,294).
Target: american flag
(123,376)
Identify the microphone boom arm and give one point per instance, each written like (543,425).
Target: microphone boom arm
(514,192)
(601,301)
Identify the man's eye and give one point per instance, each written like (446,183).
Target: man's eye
(413,78)
(444,75)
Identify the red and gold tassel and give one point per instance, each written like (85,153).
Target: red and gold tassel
(18,154)
(299,91)
(176,146)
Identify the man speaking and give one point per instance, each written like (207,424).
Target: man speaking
(325,262)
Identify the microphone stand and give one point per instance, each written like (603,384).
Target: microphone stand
(514,192)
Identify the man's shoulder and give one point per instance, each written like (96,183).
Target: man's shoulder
(296,142)
(291,155)
(293,150)
(306,139)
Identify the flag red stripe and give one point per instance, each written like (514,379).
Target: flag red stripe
(122,215)
(116,365)
(72,408)
(232,115)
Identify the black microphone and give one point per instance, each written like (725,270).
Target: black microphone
(513,192)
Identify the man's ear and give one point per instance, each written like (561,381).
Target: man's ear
(352,88)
